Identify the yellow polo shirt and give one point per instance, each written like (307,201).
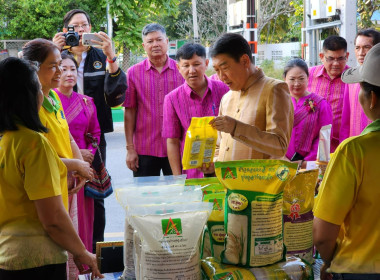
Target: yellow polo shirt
(53,117)
(350,196)
(29,170)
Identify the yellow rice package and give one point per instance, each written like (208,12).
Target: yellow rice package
(298,215)
(215,223)
(291,269)
(253,210)
(200,143)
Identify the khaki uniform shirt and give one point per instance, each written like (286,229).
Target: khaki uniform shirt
(264,112)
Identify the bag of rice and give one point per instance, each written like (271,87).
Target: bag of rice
(170,235)
(208,185)
(215,223)
(298,214)
(200,143)
(291,269)
(253,211)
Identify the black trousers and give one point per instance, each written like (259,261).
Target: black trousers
(152,166)
(47,272)
(99,210)
(355,276)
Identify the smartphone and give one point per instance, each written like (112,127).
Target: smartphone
(87,37)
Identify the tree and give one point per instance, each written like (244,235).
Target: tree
(366,8)
(212,20)
(271,10)
(26,19)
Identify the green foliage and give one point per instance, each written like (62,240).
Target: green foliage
(284,28)
(131,16)
(270,70)
(28,19)
(366,8)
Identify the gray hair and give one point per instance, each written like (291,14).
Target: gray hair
(152,27)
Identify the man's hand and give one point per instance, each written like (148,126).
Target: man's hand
(207,169)
(87,155)
(132,160)
(105,45)
(59,40)
(224,123)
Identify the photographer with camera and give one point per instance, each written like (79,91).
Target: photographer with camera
(107,88)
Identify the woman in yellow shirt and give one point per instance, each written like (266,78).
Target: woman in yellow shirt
(347,224)
(35,228)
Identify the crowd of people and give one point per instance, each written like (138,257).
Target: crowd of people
(54,97)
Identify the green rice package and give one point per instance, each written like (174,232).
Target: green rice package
(253,210)
(298,214)
(291,269)
(209,185)
(215,223)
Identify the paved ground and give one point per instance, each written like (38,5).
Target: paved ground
(116,166)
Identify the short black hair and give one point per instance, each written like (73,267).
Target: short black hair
(371,33)
(233,45)
(152,27)
(296,62)
(367,88)
(38,50)
(19,95)
(69,15)
(189,49)
(334,43)
(69,56)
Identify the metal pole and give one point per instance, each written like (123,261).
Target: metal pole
(195,21)
(109,22)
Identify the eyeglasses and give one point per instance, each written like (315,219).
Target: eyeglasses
(338,59)
(84,26)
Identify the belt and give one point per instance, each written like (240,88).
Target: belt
(355,276)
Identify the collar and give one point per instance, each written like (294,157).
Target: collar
(372,127)
(253,79)
(168,64)
(322,72)
(48,106)
(189,91)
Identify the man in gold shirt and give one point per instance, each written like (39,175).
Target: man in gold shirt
(256,116)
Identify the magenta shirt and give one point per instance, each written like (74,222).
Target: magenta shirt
(353,118)
(182,104)
(146,92)
(333,90)
(306,130)
(80,121)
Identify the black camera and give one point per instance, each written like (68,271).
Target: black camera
(72,37)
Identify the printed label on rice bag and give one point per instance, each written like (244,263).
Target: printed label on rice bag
(218,233)
(266,230)
(170,245)
(254,210)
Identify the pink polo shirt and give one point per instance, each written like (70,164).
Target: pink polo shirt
(146,91)
(333,90)
(353,118)
(182,104)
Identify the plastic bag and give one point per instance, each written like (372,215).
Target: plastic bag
(200,143)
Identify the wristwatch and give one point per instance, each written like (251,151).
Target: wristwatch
(113,59)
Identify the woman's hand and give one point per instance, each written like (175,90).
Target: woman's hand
(207,169)
(84,169)
(86,258)
(87,155)
(80,182)
(324,275)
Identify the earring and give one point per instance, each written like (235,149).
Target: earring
(370,108)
